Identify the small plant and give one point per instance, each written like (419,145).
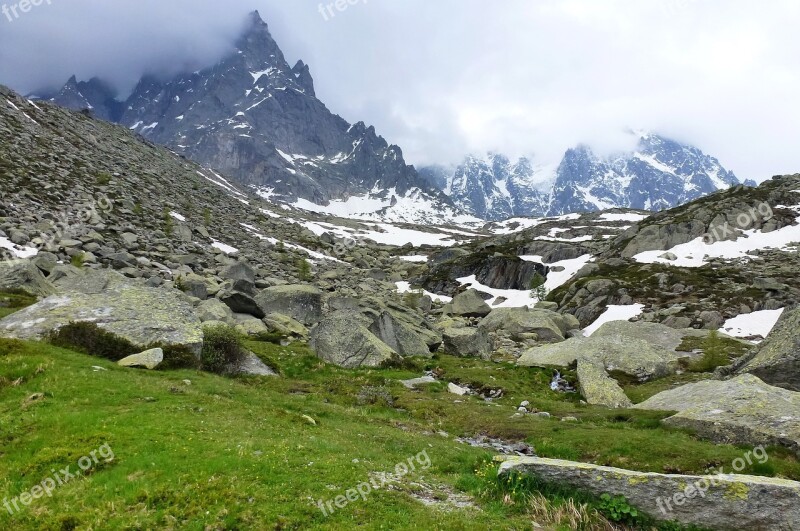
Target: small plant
(169,222)
(304,270)
(280,247)
(375,395)
(222,348)
(538,289)
(103,179)
(138,209)
(714,354)
(78,260)
(617,509)
(413,298)
(207,217)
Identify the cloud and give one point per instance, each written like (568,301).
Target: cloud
(445,78)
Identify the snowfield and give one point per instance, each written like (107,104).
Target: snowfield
(614,313)
(753,324)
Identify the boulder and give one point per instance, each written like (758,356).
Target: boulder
(250,365)
(23,275)
(239,271)
(285,325)
(548,326)
(655,333)
(300,302)
(240,297)
(214,310)
(469,304)
(250,326)
(635,358)
(468,342)
(399,336)
(149,359)
(343,338)
(125,307)
(777,360)
(597,388)
(725,502)
(743,410)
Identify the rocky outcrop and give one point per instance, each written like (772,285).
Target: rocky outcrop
(723,502)
(125,307)
(777,360)
(743,410)
(400,336)
(24,276)
(519,323)
(635,358)
(597,388)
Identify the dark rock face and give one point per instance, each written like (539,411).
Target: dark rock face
(254,117)
(659,174)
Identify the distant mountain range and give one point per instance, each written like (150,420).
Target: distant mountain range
(257,119)
(661,173)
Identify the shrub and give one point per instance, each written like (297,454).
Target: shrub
(207,217)
(90,339)
(714,354)
(178,357)
(412,299)
(103,179)
(303,270)
(169,223)
(222,347)
(77,260)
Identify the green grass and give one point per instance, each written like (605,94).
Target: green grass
(238,453)
(11,301)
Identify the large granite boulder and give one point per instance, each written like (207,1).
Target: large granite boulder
(399,335)
(597,388)
(240,297)
(24,276)
(743,410)
(149,359)
(344,339)
(635,358)
(122,306)
(727,502)
(468,342)
(300,302)
(547,325)
(469,304)
(777,360)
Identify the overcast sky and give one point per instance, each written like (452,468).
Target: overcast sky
(442,78)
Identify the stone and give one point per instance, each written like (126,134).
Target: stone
(724,502)
(239,271)
(125,307)
(342,338)
(240,297)
(285,325)
(25,276)
(545,305)
(250,326)
(300,302)
(548,326)
(214,310)
(635,358)
(469,342)
(251,365)
(457,389)
(414,382)
(597,388)
(469,304)
(149,359)
(743,410)
(45,261)
(777,359)
(399,336)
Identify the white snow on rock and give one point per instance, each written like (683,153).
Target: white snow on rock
(623,217)
(227,249)
(515,298)
(697,253)
(420,259)
(614,313)
(177,216)
(556,279)
(753,324)
(18,250)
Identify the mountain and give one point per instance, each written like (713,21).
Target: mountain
(660,173)
(256,118)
